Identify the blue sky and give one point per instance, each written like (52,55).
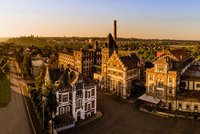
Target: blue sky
(169,19)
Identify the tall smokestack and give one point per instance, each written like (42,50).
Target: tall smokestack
(115,30)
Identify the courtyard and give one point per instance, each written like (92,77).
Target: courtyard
(124,117)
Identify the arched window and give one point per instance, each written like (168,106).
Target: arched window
(62,110)
(68,109)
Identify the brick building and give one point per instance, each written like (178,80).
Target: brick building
(174,80)
(81,60)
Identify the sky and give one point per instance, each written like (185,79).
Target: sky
(149,19)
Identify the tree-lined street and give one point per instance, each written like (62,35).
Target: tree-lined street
(14,118)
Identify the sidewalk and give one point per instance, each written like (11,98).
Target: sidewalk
(30,108)
(33,114)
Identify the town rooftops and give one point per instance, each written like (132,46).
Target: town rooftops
(192,73)
(54,74)
(189,95)
(165,60)
(177,54)
(71,78)
(130,61)
(180,54)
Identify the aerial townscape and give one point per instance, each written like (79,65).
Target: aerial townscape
(103,82)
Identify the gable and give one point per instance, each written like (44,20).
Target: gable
(162,58)
(115,62)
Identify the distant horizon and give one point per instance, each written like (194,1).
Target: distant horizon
(146,19)
(99,37)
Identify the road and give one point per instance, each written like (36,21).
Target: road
(14,118)
(121,117)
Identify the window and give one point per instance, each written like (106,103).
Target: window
(88,94)
(68,109)
(62,110)
(93,92)
(92,104)
(170,90)
(78,103)
(198,85)
(170,80)
(160,68)
(65,98)
(89,106)
(160,84)
(151,87)
(187,106)
(179,106)
(195,107)
(85,107)
(150,77)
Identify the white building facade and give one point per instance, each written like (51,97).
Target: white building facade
(77,98)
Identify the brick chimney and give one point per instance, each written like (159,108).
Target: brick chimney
(115,30)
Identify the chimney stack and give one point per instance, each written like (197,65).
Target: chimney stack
(115,30)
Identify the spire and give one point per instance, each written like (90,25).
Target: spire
(111,42)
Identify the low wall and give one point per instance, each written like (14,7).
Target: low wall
(64,127)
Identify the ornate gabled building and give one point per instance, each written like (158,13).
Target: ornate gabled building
(106,52)
(174,80)
(118,72)
(76,96)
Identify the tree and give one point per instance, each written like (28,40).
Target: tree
(39,81)
(50,99)
(26,66)
(19,56)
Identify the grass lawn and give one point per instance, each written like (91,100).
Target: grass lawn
(4,91)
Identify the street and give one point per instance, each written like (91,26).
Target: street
(14,118)
(123,118)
